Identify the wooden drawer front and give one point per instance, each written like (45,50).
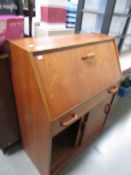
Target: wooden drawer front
(79,111)
(74,75)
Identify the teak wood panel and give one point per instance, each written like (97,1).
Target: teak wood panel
(33,116)
(81,110)
(96,118)
(68,79)
(64,78)
(51,43)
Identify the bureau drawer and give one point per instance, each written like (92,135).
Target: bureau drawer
(73,75)
(65,120)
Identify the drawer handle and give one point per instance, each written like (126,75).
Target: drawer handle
(88,56)
(70,121)
(113,90)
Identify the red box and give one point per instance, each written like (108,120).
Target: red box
(11,27)
(53,14)
(15,28)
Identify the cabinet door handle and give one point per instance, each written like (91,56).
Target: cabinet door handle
(107,108)
(89,56)
(70,121)
(113,90)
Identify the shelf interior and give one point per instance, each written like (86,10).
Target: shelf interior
(64,144)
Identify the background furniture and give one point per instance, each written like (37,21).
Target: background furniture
(9,132)
(110,17)
(28,10)
(41,30)
(64,95)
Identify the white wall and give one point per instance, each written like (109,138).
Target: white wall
(38,3)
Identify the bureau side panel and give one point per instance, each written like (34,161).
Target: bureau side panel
(32,112)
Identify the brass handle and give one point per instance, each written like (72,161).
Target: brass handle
(72,120)
(107,108)
(113,90)
(89,56)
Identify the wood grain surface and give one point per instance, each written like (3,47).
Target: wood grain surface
(50,43)
(68,79)
(33,116)
(52,83)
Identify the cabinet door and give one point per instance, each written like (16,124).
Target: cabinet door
(95,119)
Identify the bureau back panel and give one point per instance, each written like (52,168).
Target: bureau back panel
(73,75)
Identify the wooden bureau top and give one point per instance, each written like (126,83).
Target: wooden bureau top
(46,44)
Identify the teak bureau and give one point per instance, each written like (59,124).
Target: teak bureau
(64,88)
